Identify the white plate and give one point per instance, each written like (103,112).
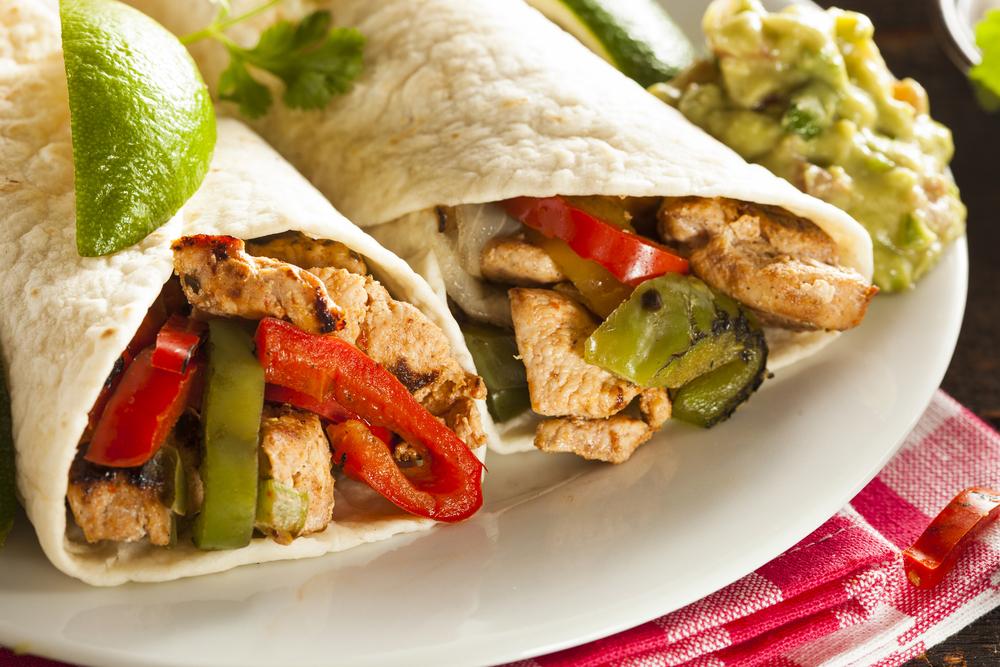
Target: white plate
(563,552)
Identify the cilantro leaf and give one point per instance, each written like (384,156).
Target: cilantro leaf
(236,85)
(314,61)
(986,75)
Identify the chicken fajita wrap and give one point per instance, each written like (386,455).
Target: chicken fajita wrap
(611,264)
(257,380)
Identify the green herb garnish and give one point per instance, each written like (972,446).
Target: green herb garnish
(986,75)
(314,61)
(802,122)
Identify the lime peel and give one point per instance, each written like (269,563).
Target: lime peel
(986,74)
(142,121)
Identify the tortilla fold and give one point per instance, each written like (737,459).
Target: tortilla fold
(65,319)
(475,101)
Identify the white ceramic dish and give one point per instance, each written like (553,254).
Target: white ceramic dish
(563,552)
(957,21)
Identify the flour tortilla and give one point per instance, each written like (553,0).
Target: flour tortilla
(65,319)
(474,101)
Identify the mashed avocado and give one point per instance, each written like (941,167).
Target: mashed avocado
(806,94)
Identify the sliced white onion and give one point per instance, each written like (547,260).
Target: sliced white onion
(476,224)
(455,252)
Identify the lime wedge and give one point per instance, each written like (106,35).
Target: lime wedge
(142,120)
(636,36)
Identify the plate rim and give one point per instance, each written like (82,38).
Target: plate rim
(497,648)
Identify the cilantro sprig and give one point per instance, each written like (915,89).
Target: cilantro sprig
(313,60)
(986,75)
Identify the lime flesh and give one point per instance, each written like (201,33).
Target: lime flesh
(142,121)
(636,36)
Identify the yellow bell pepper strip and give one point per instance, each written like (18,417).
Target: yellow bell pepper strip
(631,258)
(234,400)
(448,487)
(600,290)
(622,212)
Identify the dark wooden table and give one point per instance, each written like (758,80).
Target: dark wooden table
(905,32)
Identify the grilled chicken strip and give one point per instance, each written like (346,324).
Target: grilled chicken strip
(401,339)
(221,279)
(218,277)
(118,504)
(784,267)
(464,419)
(611,440)
(298,249)
(514,261)
(550,329)
(295,452)
(655,406)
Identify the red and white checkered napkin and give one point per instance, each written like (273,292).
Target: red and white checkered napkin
(840,597)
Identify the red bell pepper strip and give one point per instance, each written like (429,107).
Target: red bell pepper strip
(328,408)
(446,488)
(631,258)
(176,343)
(144,336)
(151,324)
(935,552)
(367,459)
(140,413)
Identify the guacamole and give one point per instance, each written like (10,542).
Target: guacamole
(806,93)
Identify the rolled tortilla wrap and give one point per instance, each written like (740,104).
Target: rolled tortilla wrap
(66,319)
(476,101)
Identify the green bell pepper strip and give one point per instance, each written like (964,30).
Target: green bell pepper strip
(8,499)
(494,351)
(177,483)
(167,468)
(671,330)
(231,410)
(676,332)
(505,404)
(281,510)
(713,397)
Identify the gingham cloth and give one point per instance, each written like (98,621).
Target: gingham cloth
(839,597)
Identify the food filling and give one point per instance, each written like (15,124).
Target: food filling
(807,94)
(263,373)
(620,312)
